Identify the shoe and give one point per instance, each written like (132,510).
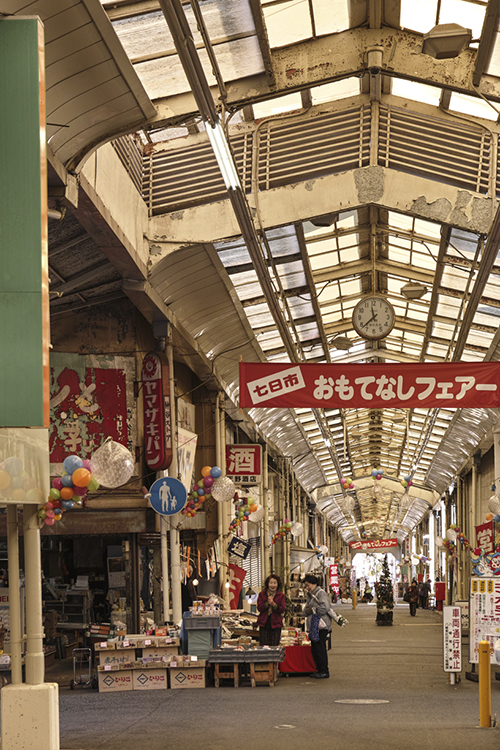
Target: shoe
(313,674)
(322,676)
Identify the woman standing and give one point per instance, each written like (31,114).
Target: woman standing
(271,604)
(318,623)
(413,592)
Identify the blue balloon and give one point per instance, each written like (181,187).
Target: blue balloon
(71,463)
(200,491)
(380,471)
(67,480)
(13,466)
(375,472)
(67,504)
(407,478)
(215,472)
(496,518)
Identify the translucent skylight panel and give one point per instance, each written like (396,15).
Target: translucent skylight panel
(277,106)
(287,22)
(330,92)
(418,92)
(398,255)
(427,229)
(470,105)
(249,291)
(494,64)
(418,16)
(467,14)
(479,338)
(300,307)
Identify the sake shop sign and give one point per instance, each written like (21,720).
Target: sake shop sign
(244,463)
(157,413)
(452,639)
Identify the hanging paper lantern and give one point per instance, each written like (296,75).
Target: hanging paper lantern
(258,514)
(112,464)
(297,528)
(223,489)
(494,504)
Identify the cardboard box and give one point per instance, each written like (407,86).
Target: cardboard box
(149,679)
(160,651)
(114,682)
(128,642)
(105,646)
(118,657)
(162,641)
(187,677)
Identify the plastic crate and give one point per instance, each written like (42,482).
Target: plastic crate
(226,656)
(201,623)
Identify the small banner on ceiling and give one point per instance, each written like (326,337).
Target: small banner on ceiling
(374,544)
(374,386)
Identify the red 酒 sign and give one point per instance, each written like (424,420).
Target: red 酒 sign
(244,463)
(157,416)
(373,544)
(374,386)
(236,577)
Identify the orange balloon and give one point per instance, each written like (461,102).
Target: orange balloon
(253,508)
(67,493)
(18,495)
(489,516)
(4,479)
(205,472)
(81,477)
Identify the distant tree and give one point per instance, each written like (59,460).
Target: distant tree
(385,591)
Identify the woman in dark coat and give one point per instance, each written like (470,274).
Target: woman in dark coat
(413,592)
(271,604)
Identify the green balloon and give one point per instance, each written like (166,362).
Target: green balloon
(54,494)
(93,485)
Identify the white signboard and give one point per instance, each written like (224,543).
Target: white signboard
(484,615)
(452,639)
(186,449)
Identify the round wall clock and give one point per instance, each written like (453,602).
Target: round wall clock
(373,318)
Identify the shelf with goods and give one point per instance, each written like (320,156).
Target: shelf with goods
(73,608)
(298,598)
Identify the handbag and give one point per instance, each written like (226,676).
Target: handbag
(406,597)
(314,627)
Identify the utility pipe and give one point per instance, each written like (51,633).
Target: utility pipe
(484,684)
(264,541)
(14,596)
(35,664)
(222,525)
(175,551)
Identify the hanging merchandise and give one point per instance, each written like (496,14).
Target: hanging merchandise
(112,464)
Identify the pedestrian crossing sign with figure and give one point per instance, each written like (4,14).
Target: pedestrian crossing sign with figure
(168,496)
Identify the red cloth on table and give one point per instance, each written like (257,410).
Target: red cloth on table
(298,659)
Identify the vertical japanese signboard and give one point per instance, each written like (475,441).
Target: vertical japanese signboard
(244,463)
(91,399)
(452,639)
(484,615)
(334,579)
(157,413)
(485,536)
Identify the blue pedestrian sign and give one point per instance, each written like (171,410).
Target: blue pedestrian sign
(168,496)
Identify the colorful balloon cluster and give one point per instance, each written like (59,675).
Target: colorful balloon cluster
(347,484)
(453,535)
(69,489)
(16,484)
(242,512)
(283,532)
(201,490)
(493,517)
(406,481)
(377,473)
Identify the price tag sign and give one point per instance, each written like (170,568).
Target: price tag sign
(104,644)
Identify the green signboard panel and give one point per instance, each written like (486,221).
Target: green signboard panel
(24,329)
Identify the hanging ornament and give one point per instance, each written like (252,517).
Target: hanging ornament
(223,489)
(258,514)
(494,504)
(297,528)
(112,464)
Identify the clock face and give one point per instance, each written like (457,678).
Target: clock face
(373,318)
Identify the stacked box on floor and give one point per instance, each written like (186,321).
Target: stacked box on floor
(137,662)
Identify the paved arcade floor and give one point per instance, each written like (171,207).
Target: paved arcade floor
(399,665)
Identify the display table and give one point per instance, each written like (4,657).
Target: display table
(262,663)
(297,659)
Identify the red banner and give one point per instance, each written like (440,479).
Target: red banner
(485,536)
(157,417)
(374,544)
(236,578)
(334,579)
(373,386)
